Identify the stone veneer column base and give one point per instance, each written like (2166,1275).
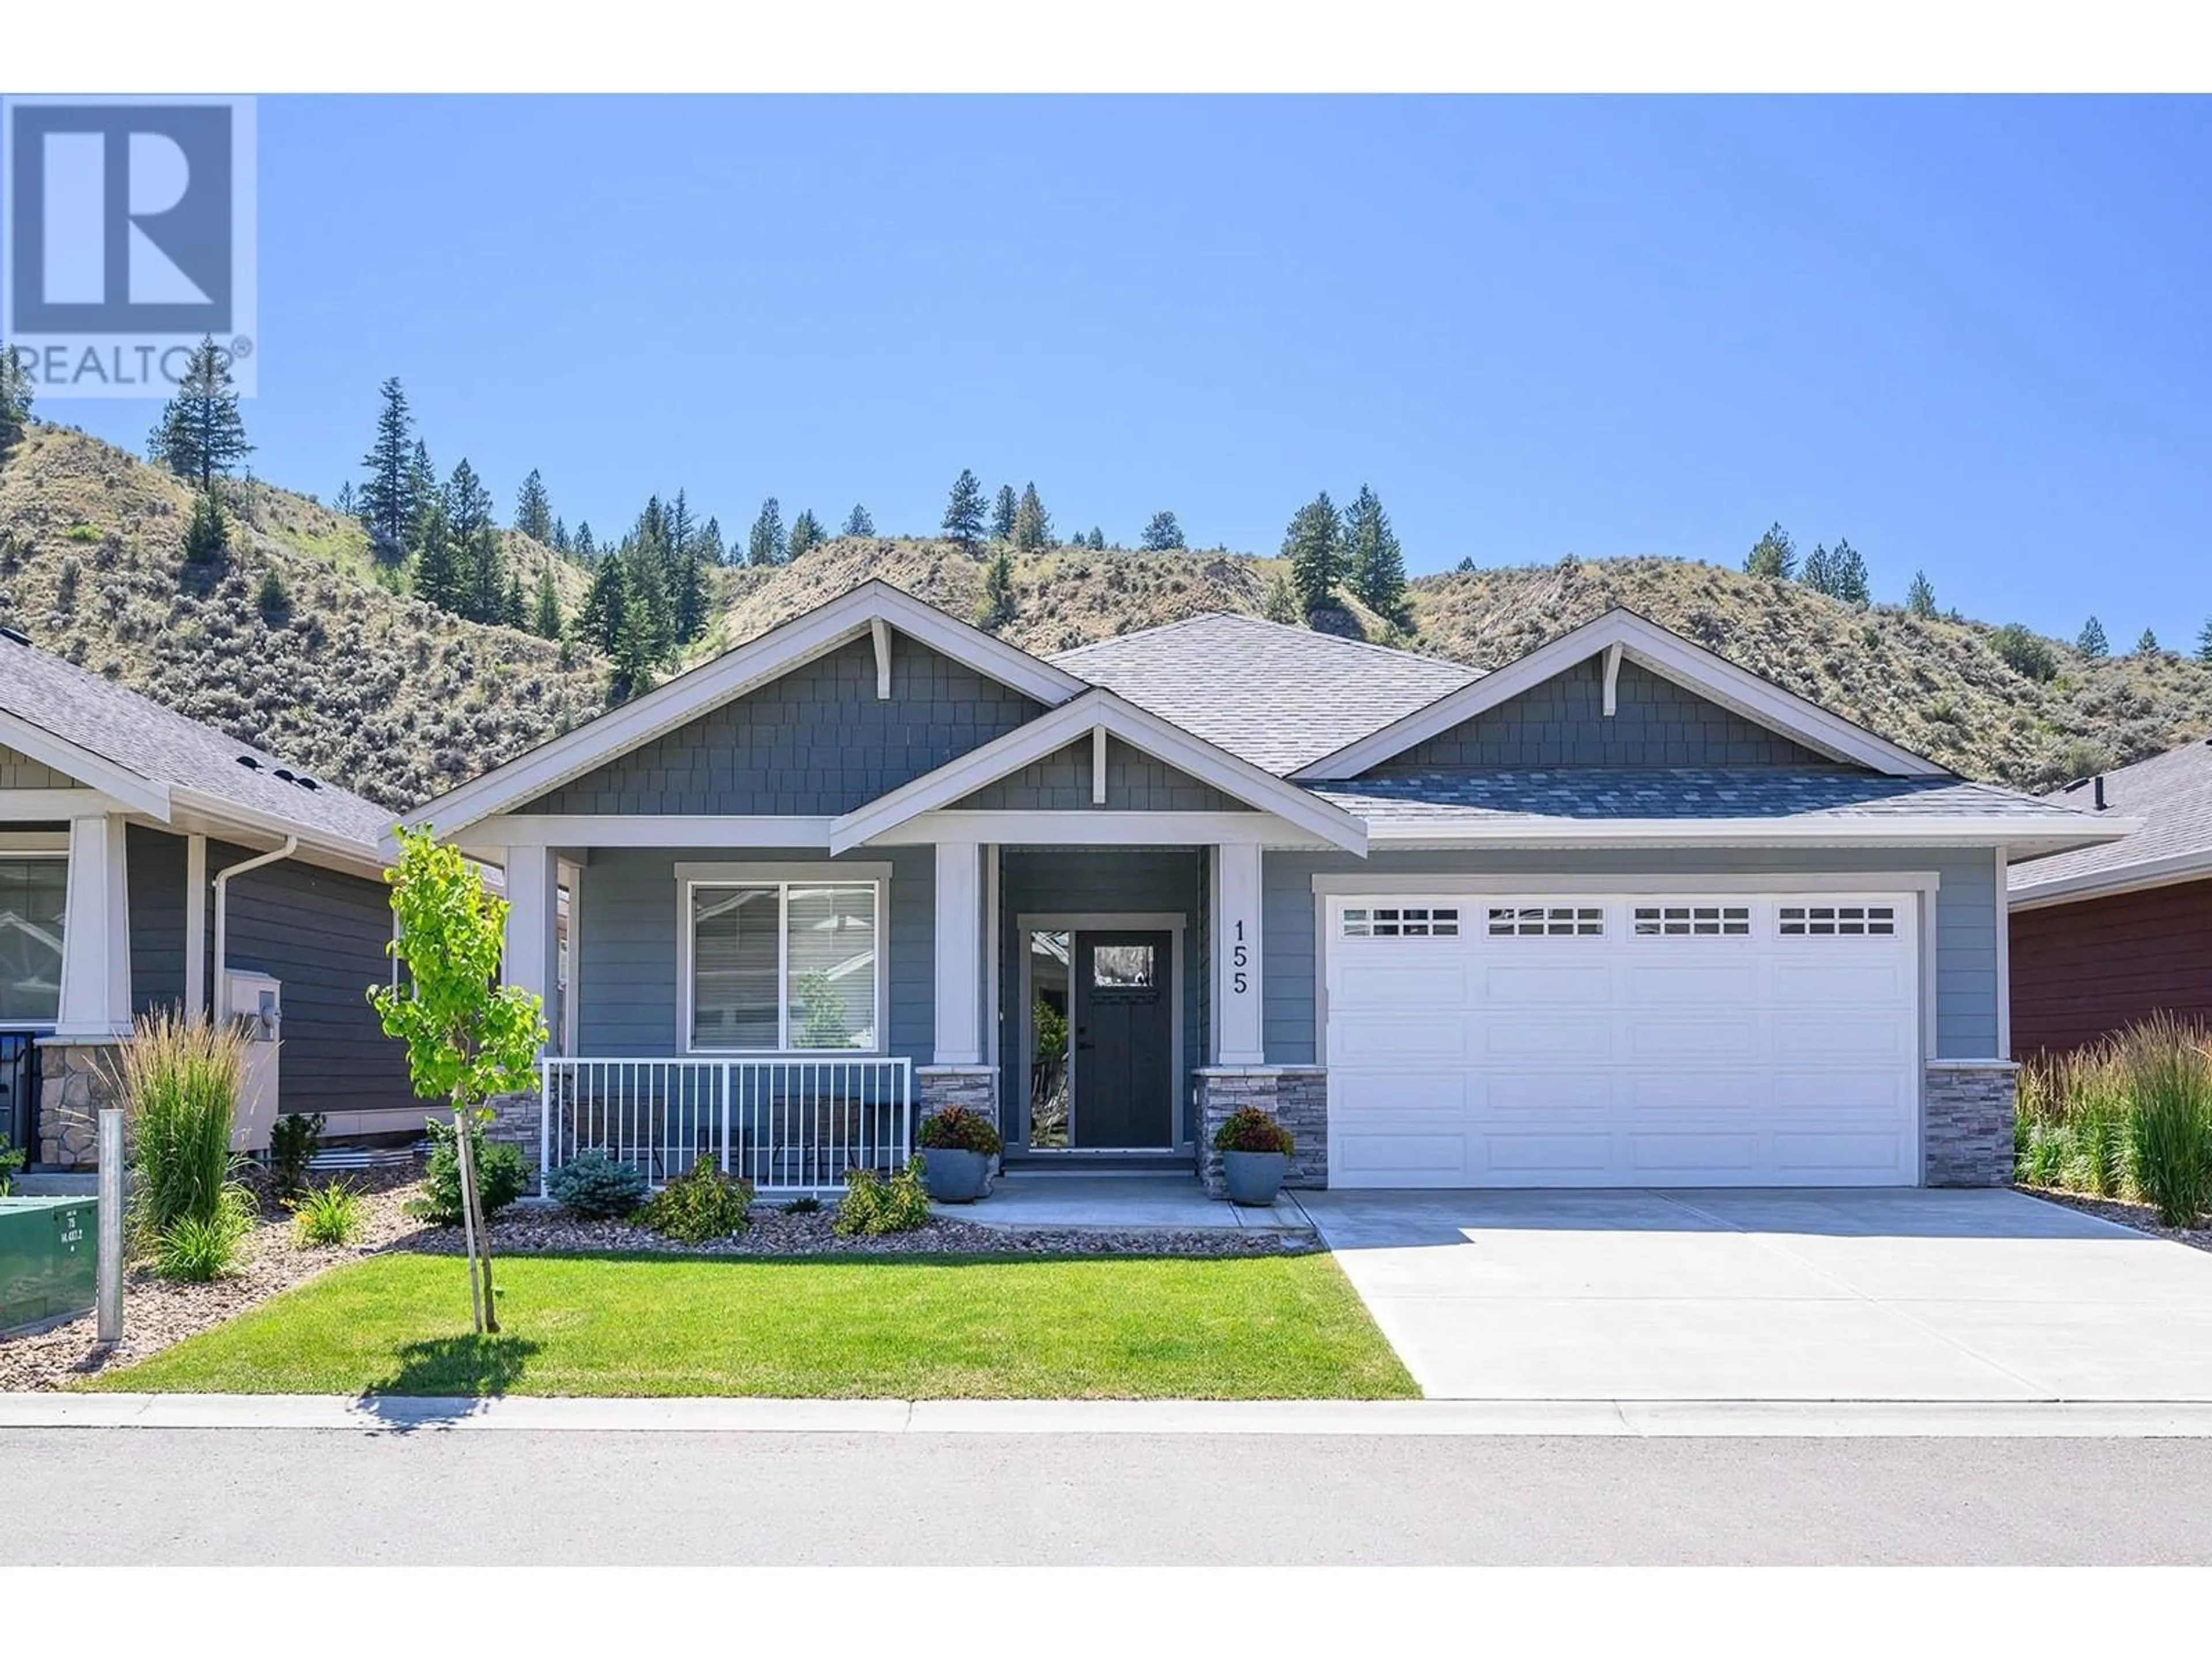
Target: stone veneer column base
(78,1079)
(976,1087)
(1298,1097)
(1967,1128)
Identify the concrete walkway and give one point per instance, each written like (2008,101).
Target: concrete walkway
(1868,1296)
(1105,1203)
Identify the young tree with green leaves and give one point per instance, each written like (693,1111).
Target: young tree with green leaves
(1314,544)
(768,544)
(545,607)
(207,535)
(858,522)
(1162,534)
(1920,597)
(1375,563)
(806,533)
(200,435)
(2092,643)
(964,513)
(1002,513)
(1032,530)
(14,398)
(468,1036)
(1773,555)
(534,511)
(387,508)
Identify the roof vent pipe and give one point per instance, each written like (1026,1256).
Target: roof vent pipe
(2097,786)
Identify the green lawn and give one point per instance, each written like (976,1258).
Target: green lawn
(1257,1328)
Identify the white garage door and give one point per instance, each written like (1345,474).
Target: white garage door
(1578,1040)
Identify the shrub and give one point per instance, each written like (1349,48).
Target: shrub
(499,1177)
(331,1214)
(700,1206)
(804,1204)
(274,600)
(2028,654)
(2169,1125)
(1248,1129)
(292,1143)
(874,1206)
(196,1249)
(11,1159)
(180,1083)
(598,1189)
(959,1129)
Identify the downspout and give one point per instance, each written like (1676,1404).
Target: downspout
(221,1008)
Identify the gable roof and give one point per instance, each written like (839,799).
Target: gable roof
(1276,696)
(872,607)
(1664,653)
(2170,795)
(158,763)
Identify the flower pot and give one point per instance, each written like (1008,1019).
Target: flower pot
(952,1176)
(1253,1178)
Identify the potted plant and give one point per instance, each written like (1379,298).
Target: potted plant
(1255,1155)
(957,1146)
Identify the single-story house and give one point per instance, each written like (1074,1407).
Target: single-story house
(147,860)
(2105,935)
(1619,912)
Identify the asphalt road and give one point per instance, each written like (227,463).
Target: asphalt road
(267,1495)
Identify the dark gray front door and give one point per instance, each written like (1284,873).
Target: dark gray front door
(1124,1039)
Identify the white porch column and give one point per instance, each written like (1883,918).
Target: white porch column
(96,994)
(1235,955)
(533,901)
(959,934)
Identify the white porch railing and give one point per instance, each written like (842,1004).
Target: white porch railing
(785,1123)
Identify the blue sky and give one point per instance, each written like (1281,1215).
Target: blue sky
(1969,335)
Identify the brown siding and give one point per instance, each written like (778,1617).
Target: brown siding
(2081,971)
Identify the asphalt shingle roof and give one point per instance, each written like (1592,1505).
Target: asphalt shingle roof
(139,734)
(1570,792)
(1280,697)
(2172,794)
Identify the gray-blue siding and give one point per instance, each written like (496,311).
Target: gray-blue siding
(1966,920)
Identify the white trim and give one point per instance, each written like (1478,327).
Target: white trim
(1098,766)
(1099,922)
(732,675)
(1665,653)
(880,631)
(993,991)
(2103,884)
(196,926)
(95,997)
(203,814)
(34,805)
(573,876)
(1050,732)
(2004,958)
(958,943)
(1611,678)
(646,829)
(1838,830)
(1634,884)
(531,960)
(782,876)
(134,789)
(1098,827)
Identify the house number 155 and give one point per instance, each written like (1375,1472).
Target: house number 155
(1240,959)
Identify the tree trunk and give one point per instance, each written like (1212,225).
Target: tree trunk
(466,1166)
(479,1235)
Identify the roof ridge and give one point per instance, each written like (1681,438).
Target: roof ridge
(1283,628)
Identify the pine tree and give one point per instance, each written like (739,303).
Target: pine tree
(1281,604)
(585,549)
(514,609)
(207,536)
(545,610)
(1466,566)
(1920,597)
(858,523)
(2092,643)
(1098,543)
(1818,572)
(1162,535)
(1314,546)
(679,531)
(344,503)
(1032,527)
(712,553)
(2148,644)
(386,508)
(2205,642)
(1375,563)
(635,655)
(14,398)
(422,489)
(533,513)
(1772,556)
(599,623)
(998,589)
(649,608)
(200,435)
(1847,576)
(806,532)
(468,507)
(767,544)
(1002,514)
(688,598)
(964,513)
(440,576)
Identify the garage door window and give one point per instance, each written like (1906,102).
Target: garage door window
(1693,920)
(1547,921)
(1806,920)
(1401,921)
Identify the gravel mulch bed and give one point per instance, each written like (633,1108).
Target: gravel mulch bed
(2141,1216)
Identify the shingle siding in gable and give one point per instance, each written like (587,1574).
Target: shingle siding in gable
(1563,722)
(814,743)
(20,771)
(1135,782)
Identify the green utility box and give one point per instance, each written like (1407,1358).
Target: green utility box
(49,1258)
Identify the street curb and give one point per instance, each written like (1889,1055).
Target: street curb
(1619,1419)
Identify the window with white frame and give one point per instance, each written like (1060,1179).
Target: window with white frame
(1692,921)
(1547,920)
(34,897)
(1806,921)
(784,965)
(1400,922)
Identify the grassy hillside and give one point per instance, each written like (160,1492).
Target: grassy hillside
(361,684)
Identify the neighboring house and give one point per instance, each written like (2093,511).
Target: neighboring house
(1617,913)
(133,839)
(2106,935)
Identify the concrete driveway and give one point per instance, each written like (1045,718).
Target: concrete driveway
(1762,1295)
